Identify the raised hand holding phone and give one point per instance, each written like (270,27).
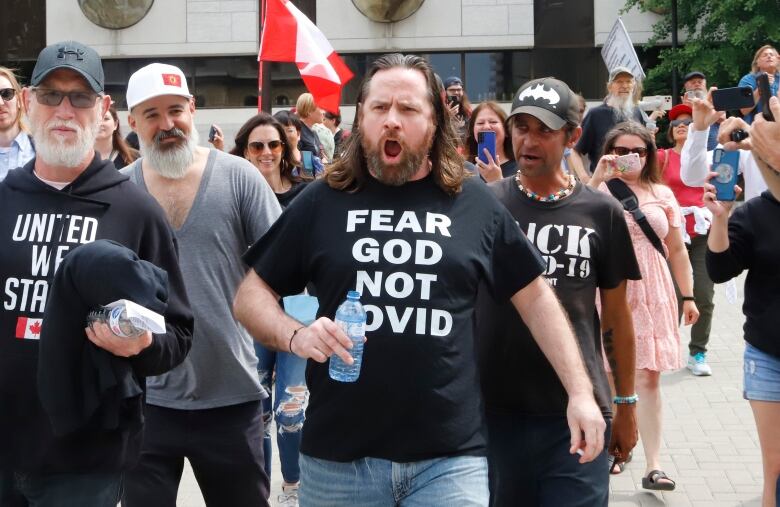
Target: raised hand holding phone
(764,94)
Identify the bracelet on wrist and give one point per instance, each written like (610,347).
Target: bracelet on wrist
(293,337)
(688,298)
(626,400)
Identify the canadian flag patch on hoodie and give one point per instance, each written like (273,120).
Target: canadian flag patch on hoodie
(28,329)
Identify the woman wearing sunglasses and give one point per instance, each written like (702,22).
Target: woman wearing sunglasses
(697,223)
(651,299)
(262,141)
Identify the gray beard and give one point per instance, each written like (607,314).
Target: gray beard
(396,174)
(623,108)
(171,162)
(56,152)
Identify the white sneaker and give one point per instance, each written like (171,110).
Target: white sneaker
(697,363)
(289,496)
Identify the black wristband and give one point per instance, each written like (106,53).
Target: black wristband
(293,337)
(688,298)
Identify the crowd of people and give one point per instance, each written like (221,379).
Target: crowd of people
(522,302)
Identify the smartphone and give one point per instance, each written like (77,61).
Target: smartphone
(726,164)
(655,102)
(212,133)
(486,139)
(453,100)
(308,163)
(764,94)
(695,94)
(730,99)
(628,163)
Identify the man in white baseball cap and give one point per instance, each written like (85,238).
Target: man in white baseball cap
(207,410)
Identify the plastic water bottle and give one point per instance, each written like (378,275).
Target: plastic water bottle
(117,319)
(351,317)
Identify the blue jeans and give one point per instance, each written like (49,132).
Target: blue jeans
(761,375)
(287,402)
(530,464)
(373,482)
(21,489)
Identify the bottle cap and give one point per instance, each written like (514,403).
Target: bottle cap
(353,294)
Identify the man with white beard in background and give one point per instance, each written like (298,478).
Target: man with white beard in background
(63,198)
(620,104)
(207,410)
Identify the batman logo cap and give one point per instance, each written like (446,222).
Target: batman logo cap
(549,100)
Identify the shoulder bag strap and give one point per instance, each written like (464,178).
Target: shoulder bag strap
(630,203)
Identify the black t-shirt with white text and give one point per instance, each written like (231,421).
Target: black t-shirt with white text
(417,256)
(585,244)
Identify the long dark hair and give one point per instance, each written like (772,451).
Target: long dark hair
(471,141)
(350,173)
(651,173)
(128,153)
(287,164)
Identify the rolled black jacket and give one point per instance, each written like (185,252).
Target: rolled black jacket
(39,225)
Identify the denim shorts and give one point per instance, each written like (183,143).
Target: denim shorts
(762,375)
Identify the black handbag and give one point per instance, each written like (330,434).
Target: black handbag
(628,199)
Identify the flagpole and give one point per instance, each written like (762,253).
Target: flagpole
(260,63)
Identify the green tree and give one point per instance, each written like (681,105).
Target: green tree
(721,37)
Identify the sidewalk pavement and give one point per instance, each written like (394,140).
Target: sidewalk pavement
(710,445)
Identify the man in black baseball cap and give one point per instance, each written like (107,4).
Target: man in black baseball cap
(695,87)
(583,237)
(63,198)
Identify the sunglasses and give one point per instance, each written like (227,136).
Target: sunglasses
(7,94)
(677,123)
(622,150)
(257,147)
(78,99)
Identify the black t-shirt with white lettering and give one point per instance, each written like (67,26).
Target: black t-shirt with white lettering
(585,244)
(417,255)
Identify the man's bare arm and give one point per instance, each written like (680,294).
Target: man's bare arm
(256,307)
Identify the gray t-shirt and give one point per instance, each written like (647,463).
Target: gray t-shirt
(233,207)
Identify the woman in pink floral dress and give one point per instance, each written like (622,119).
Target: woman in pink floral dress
(652,299)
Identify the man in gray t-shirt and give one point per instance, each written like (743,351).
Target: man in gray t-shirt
(208,409)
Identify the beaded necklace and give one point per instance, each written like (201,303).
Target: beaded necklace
(557,196)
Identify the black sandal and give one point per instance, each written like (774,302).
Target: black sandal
(653,481)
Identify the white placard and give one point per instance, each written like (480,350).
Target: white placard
(619,51)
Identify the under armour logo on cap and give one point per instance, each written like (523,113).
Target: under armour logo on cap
(65,50)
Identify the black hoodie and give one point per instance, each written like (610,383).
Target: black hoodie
(39,225)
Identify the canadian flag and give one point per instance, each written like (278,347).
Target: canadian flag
(27,328)
(289,36)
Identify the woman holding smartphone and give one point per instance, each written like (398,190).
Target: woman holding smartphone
(489,117)
(766,60)
(262,141)
(651,299)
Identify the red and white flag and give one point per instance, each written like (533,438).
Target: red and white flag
(289,36)
(28,329)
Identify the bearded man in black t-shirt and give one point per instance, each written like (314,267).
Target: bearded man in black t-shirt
(584,241)
(397,219)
